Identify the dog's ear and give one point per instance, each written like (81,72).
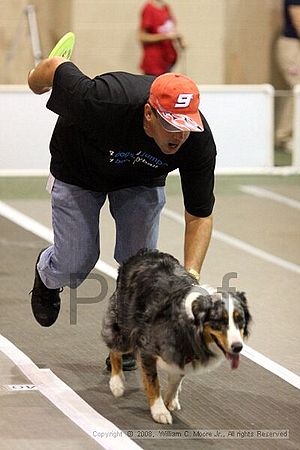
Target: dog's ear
(200,308)
(241,296)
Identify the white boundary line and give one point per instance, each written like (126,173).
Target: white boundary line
(278,170)
(241,245)
(48,384)
(283,170)
(24,172)
(26,222)
(267,363)
(68,402)
(287,375)
(257,252)
(265,193)
(43,232)
(36,228)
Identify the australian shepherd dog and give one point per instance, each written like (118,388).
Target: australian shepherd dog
(159,312)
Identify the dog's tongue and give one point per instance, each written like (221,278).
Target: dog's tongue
(234,360)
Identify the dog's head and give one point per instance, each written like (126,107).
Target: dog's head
(223,321)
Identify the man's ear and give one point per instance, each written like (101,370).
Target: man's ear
(147,112)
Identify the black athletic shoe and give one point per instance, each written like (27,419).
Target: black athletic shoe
(128,362)
(45,303)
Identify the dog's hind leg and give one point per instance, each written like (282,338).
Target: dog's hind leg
(172,395)
(151,384)
(116,382)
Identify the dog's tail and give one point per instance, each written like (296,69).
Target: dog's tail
(113,333)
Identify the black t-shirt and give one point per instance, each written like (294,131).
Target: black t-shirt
(289,30)
(99,142)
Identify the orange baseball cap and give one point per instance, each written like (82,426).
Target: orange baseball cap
(176,99)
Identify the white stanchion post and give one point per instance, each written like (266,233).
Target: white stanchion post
(296,127)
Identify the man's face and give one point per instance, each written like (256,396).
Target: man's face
(169,142)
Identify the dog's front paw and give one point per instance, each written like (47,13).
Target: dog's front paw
(173,405)
(116,384)
(160,413)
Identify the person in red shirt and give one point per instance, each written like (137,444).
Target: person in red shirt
(159,38)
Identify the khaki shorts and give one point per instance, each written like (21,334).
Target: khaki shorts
(288,57)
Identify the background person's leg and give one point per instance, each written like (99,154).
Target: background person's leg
(288,57)
(75,221)
(136,212)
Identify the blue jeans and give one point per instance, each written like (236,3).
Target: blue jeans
(75,222)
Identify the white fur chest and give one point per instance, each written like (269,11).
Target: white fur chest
(194,367)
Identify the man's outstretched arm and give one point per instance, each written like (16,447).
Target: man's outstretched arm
(198,232)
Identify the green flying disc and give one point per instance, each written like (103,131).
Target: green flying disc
(65,46)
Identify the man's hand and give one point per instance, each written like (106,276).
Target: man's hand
(37,90)
(40,79)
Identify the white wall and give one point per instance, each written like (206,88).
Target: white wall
(26,128)
(241,118)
